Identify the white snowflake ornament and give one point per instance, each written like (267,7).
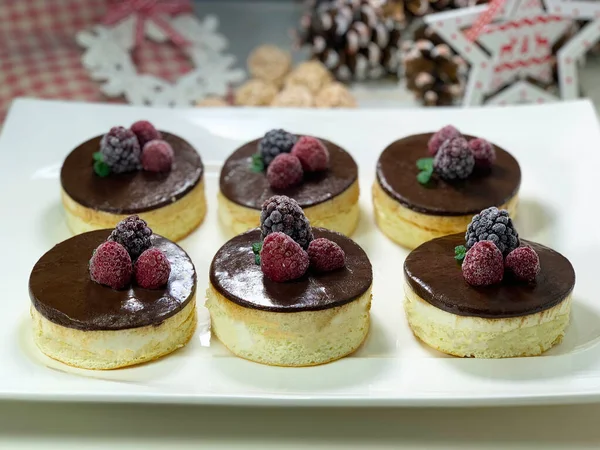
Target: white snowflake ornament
(107,58)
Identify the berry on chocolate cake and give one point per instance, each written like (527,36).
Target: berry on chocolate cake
(285,171)
(300,295)
(94,307)
(283,214)
(498,303)
(274,143)
(137,170)
(145,132)
(120,150)
(132,233)
(157,156)
(430,185)
(319,175)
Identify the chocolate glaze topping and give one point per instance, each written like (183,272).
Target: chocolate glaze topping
(62,291)
(397,175)
(247,188)
(234,275)
(434,274)
(133,192)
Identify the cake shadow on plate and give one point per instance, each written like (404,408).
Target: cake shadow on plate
(536,220)
(325,377)
(52,227)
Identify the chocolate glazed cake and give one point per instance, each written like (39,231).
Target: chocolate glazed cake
(293,323)
(171,202)
(411,213)
(329,198)
(511,318)
(88,325)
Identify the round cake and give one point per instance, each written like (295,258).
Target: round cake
(172,202)
(410,212)
(329,197)
(312,320)
(507,319)
(85,324)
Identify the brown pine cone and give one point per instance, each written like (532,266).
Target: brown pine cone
(434,73)
(352,38)
(404,11)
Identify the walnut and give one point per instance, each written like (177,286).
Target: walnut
(212,102)
(255,93)
(294,97)
(312,74)
(269,63)
(335,95)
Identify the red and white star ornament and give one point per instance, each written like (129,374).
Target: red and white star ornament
(579,44)
(505,42)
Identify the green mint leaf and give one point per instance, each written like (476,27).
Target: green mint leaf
(459,252)
(256,248)
(101,169)
(425,164)
(98,157)
(258,165)
(424,177)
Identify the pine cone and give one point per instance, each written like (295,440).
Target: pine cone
(434,73)
(352,38)
(405,11)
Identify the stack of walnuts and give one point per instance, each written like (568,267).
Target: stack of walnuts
(276,83)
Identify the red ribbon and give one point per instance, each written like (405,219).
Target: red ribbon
(148,10)
(484,19)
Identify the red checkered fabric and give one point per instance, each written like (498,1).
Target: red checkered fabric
(40,58)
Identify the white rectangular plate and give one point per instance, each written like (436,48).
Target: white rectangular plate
(558,149)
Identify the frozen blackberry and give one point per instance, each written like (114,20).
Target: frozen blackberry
(274,143)
(134,234)
(454,160)
(493,224)
(283,214)
(120,150)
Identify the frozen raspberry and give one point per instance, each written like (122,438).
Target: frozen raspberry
(152,269)
(134,234)
(483,152)
(285,171)
(523,263)
(312,153)
(493,224)
(454,160)
(274,143)
(121,150)
(157,156)
(145,132)
(282,259)
(283,214)
(436,141)
(111,265)
(483,264)
(326,255)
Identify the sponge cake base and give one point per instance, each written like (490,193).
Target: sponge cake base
(340,214)
(174,221)
(411,229)
(478,337)
(112,349)
(295,339)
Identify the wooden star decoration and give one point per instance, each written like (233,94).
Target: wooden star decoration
(578,45)
(514,44)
